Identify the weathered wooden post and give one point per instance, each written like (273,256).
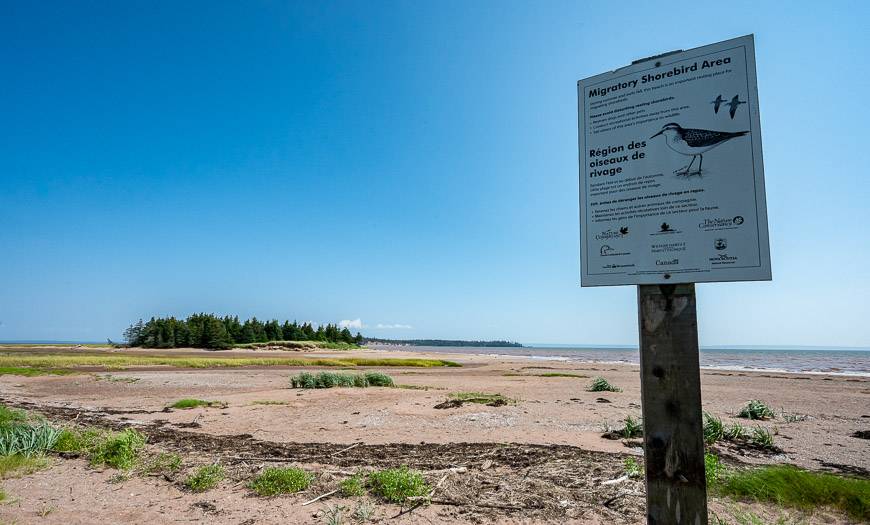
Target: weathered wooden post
(676,490)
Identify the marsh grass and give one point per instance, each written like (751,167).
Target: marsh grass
(338,379)
(300,345)
(396,485)
(761,437)
(186,404)
(790,486)
(599,384)
(31,371)
(205,478)
(755,409)
(714,430)
(27,440)
(280,480)
(64,361)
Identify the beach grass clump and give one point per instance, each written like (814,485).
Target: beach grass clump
(736,432)
(188,403)
(118,450)
(632,427)
(396,485)
(27,440)
(353,486)
(755,409)
(11,416)
(714,430)
(794,487)
(281,480)
(338,379)
(761,437)
(205,478)
(482,398)
(599,384)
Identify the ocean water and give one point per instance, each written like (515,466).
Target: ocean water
(854,362)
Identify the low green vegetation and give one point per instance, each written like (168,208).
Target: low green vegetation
(353,486)
(599,384)
(301,345)
(269,402)
(9,416)
(337,379)
(116,361)
(205,478)
(184,404)
(632,428)
(280,480)
(632,468)
(713,468)
(31,371)
(118,450)
(26,439)
(396,485)
(790,486)
(163,463)
(482,398)
(715,431)
(755,409)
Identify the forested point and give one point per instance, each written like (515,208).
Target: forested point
(213,332)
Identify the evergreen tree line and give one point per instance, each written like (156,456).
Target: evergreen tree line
(210,331)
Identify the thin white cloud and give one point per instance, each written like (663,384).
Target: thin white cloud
(394,326)
(348,323)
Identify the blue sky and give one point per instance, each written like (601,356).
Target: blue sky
(412,165)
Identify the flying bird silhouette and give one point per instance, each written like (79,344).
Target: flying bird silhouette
(694,142)
(716,103)
(733,105)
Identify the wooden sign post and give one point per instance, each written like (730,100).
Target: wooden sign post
(676,489)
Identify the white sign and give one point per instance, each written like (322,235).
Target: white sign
(671,176)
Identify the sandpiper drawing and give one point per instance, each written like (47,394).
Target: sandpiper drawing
(717,103)
(694,143)
(732,106)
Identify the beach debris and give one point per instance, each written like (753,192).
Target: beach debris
(862,434)
(602,400)
(620,479)
(309,502)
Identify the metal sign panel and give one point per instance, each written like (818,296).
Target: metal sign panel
(671,175)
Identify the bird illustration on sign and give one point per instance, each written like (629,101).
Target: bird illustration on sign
(716,103)
(694,143)
(732,106)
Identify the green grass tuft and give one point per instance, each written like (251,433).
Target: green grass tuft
(599,384)
(353,486)
(276,480)
(396,485)
(713,469)
(163,463)
(633,427)
(787,485)
(762,437)
(632,468)
(9,416)
(117,450)
(755,409)
(714,430)
(27,440)
(185,404)
(205,478)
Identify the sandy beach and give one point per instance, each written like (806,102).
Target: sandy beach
(541,457)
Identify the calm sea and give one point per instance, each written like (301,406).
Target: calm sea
(805,360)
